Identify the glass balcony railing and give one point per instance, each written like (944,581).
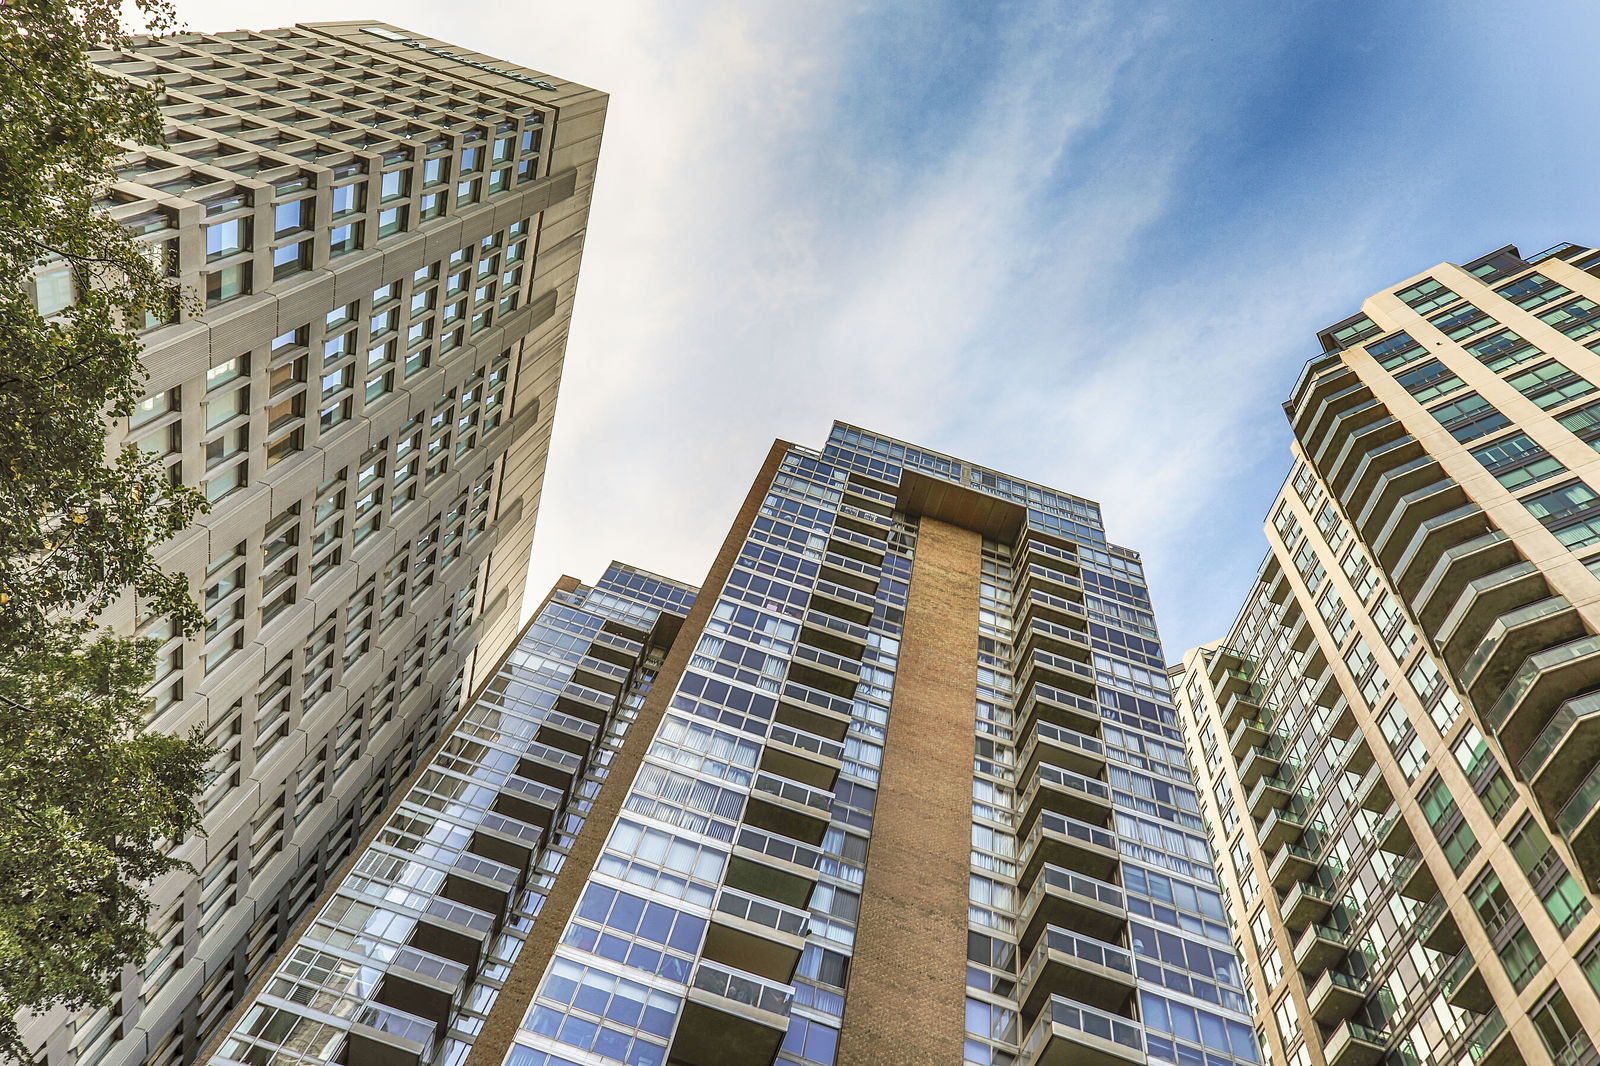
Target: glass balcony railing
(1577,809)
(1053,822)
(1082,1018)
(1062,880)
(1077,946)
(741,987)
(773,915)
(1503,627)
(793,792)
(1531,670)
(1556,730)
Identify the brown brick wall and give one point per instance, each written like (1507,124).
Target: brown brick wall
(906,1002)
(506,1017)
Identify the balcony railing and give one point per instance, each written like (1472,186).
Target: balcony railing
(744,988)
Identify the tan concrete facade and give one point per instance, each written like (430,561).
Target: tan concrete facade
(1415,637)
(367,401)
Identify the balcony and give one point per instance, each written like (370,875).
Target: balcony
(862,547)
(1329,392)
(1041,634)
(1062,841)
(825,671)
(802,755)
(1067,709)
(422,985)
(1482,601)
(1543,682)
(1307,902)
(851,573)
(1341,716)
(1388,447)
(1064,792)
(1354,1044)
(1388,489)
(1048,670)
(1076,966)
(1357,754)
(1491,1044)
(1223,660)
(1336,996)
(1511,639)
(1437,929)
(1070,900)
(1262,760)
(1464,986)
(815,711)
(825,631)
(1394,835)
(616,649)
(1579,825)
(1292,863)
(756,935)
(1319,947)
(1373,792)
(788,808)
(1038,577)
(1061,746)
(772,867)
(601,675)
(1239,705)
(842,602)
(1270,793)
(1037,606)
(1427,514)
(1249,733)
(1564,752)
(1414,877)
(587,703)
(384,1036)
(731,1018)
(1069,1033)
(1438,534)
(1458,565)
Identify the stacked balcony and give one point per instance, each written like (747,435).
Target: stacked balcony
(1433,596)
(756,934)
(731,1017)
(1053,789)
(1579,823)
(1483,600)
(1336,996)
(772,866)
(1292,863)
(1354,1044)
(1062,841)
(1541,684)
(814,711)
(1079,967)
(1319,947)
(1069,1033)
(803,756)
(1060,897)
(1286,825)
(1464,985)
(1491,1043)
(1058,745)
(1307,902)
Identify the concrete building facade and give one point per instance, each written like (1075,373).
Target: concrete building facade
(384,232)
(901,784)
(1400,729)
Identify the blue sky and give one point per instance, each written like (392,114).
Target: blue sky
(1087,243)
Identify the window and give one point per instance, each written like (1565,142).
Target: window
(1470,417)
(1502,350)
(292,217)
(1429,381)
(227,283)
(1463,321)
(53,291)
(1561,1031)
(1550,384)
(395,185)
(348,199)
(1532,290)
(1396,351)
(1516,461)
(1427,295)
(227,238)
(227,406)
(435,172)
(1570,511)
(1584,422)
(1455,837)
(342,240)
(1577,319)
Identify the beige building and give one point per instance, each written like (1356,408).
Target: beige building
(1399,735)
(385,232)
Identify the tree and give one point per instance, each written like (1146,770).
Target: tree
(91,801)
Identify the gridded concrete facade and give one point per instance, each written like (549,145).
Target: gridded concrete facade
(1403,716)
(385,232)
(908,788)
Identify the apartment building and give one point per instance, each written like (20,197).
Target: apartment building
(1400,727)
(384,233)
(902,783)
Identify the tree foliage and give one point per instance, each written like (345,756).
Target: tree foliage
(91,801)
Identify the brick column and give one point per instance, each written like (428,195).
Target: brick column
(906,1002)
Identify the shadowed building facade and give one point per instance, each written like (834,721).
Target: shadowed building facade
(1401,726)
(385,233)
(902,783)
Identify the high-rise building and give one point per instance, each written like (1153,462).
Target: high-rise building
(1400,730)
(901,784)
(384,232)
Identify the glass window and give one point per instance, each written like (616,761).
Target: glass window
(348,199)
(1516,461)
(1429,381)
(227,238)
(1550,384)
(1469,417)
(292,216)
(396,183)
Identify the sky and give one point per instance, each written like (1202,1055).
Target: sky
(1088,243)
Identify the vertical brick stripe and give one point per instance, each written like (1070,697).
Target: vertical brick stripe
(506,1018)
(906,1002)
